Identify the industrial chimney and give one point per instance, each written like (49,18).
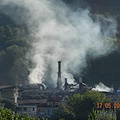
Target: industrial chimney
(80,83)
(66,84)
(59,82)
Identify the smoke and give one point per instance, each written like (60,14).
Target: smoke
(58,33)
(101,87)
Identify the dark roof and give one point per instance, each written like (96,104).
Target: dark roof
(45,105)
(7,86)
(55,99)
(30,101)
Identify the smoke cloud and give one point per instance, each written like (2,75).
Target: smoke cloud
(59,33)
(102,88)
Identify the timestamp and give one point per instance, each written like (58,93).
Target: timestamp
(108,105)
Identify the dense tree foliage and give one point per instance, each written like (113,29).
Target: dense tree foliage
(105,69)
(8,114)
(8,105)
(118,114)
(13,47)
(102,115)
(84,107)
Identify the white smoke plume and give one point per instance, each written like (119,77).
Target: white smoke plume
(102,88)
(58,33)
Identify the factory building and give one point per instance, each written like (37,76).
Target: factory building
(37,101)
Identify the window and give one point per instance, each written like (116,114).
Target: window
(33,109)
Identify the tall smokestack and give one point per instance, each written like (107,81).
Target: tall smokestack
(59,82)
(66,84)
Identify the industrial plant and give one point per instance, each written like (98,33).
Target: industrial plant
(40,91)
(37,100)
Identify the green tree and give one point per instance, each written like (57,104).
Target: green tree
(13,47)
(14,52)
(2,32)
(81,107)
(8,104)
(102,115)
(17,75)
(8,114)
(62,114)
(118,114)
(8,31)
(1,104)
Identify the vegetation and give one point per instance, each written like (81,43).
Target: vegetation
(118,114)
(8,114)
(102,115)
(13,48)
(87,102)
(8,105)
(105,69)
(78,107)
(84,107)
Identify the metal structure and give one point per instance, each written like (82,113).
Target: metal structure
(66,84)
(59,82)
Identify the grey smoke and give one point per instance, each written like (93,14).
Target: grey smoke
(58,33)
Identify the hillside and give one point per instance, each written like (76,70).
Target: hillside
(97,6)
(13,48)
(105,69)
(12,52)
